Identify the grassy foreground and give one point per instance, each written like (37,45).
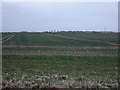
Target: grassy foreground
(60,71)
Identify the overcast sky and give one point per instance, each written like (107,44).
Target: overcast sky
(39,16)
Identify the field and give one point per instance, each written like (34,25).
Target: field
(60,60)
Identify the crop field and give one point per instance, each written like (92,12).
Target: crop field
(60,60)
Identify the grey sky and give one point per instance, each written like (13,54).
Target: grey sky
(60,16)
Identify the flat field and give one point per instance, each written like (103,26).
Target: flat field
(60,60)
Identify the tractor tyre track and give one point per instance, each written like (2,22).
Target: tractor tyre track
(7,38)
(74,38)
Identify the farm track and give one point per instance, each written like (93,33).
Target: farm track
(75,38)
(7,37)
(64,53)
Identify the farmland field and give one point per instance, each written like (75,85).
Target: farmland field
(60,60)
